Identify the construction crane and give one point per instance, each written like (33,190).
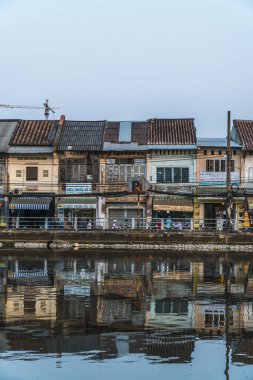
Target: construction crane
(47,109)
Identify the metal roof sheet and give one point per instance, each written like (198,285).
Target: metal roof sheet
(171,132)
(7,127)
(172,147)
(82,136)
(30,149)
(123,147)
(125,131)
(216,142)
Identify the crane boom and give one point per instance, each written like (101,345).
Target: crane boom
(45,107)
(16,106)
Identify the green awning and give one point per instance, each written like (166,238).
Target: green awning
(80,200)
(77,202)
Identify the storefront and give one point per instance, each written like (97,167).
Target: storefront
(210,213)
(30,211)
(68,208)
(125,212)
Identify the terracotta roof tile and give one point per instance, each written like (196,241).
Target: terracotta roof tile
(244,132)
(34,133)
(171,132)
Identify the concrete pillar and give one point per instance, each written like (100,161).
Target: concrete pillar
(45,267)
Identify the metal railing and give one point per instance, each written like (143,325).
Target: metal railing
(155,224)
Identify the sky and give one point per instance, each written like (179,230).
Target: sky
(129,60)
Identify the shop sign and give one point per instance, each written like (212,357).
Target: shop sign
(77,205)
(78,188)
(218,178)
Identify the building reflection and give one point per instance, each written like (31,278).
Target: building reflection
(121,306)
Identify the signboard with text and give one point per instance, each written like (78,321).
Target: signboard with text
(78,188)
(218,178)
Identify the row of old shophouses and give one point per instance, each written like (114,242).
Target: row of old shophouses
(119,171)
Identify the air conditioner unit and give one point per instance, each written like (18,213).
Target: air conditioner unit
(17,191)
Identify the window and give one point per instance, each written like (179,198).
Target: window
(73,170)
(220,152)
(234,152)
(218,165)
(122,172)
(45,173)
(32,173)
(212,152)
(209,165)
(172,175)
(251,174)
(18,173)
(205,152)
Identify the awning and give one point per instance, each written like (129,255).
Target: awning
(30,203)
(173,205)
(77,202)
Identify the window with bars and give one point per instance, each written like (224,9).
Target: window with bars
(218,165)
(172,175)
(121,173)
(18,173)
(45,173)
(32,173)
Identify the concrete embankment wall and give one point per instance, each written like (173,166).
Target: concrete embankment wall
(128,240)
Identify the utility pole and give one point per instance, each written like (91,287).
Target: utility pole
(229,196)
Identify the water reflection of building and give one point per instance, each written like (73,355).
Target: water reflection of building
(113,305)
(171,304)
(30,294)
(121,289)
(242,350)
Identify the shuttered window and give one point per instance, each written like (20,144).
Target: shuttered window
(73,170)
(122,172)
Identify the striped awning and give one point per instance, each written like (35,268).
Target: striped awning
(30,203)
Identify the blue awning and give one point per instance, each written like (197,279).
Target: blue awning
(30,203)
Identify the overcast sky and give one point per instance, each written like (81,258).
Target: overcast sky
(129,59)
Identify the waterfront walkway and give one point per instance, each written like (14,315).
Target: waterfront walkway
(130,240)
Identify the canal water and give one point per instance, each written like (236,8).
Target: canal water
(80,316)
